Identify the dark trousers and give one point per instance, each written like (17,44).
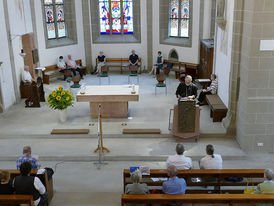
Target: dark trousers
(63,71)
(202,95)
(44,199)
(78,70)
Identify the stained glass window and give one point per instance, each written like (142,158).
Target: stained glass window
(116,16)
(179,18)
(55,18)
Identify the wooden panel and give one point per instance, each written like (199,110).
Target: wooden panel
(70,131)
(28,45)
(141,131)
(109,109)
(16,199)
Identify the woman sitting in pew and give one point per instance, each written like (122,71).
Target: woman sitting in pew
(136,187)
(5,183)
(211,160)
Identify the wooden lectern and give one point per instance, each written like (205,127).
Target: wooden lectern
(186,120)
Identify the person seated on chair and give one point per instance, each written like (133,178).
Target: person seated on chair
(136,187)
(211,160)
(61,64)
(71,64)
(101,61)
(179,160)
(186,89)
(27,158)
(174,185)
(5,183)
(133,59)
(212,89)
(158,65)
(26,76)
(24,184)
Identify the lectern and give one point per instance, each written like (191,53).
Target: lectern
(186,120)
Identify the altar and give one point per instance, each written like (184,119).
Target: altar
(113,99)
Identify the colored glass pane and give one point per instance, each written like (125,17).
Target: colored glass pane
(184,8)
(104,26)
(174,27)
(115,9)
(116,26)
(51,31)
(128,16)
(60,13)
(47,1)
(59,2)
(61,29)
(49,14)
(184,27)
(104,16)
(174,8)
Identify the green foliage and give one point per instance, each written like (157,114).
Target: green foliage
(60,99)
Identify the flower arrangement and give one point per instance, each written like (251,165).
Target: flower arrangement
(60,99)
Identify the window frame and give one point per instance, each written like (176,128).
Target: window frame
(180,19)
(55,19)
(121,18)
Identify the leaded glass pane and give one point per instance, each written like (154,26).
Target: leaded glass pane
(104,9)
(49,14)
(174,27)
(59,2)
(174,8)
(184,28)
(116,26)
(115,9)
(184,8)
(60,13)
(128,16)
(47,1)
(104,26)
(51,31)
(61,29)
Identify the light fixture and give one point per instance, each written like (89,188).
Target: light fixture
(22,53)
(1,64)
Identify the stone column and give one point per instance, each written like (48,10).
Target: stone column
(149,35)
(207,19)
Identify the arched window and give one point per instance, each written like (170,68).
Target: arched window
(116,16)
(55,19)
(179,18)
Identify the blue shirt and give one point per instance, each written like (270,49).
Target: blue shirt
(174,186)
(27,158)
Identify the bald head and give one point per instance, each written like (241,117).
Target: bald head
(172,171)
(27,150)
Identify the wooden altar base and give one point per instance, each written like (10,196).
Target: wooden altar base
(193,136)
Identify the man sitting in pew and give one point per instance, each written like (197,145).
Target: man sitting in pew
(179,160)
(267,187)
(211,160)
(26,76)
(27,158)
(133,59)
(5,183)
(24,184)
(61,64)
(71,64)
(174,185)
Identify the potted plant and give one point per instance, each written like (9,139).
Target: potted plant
(60,99)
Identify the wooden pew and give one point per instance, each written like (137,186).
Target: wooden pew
(53,71)
(229,199)
(43,177)
(218,109)
(16,199)
(219,185)
(120,63)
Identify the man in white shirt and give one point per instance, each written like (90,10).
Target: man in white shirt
(26,76)
(179,160)
(73,66)
(211,160)
(61,64)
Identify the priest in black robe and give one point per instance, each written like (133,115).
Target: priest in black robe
(187,89)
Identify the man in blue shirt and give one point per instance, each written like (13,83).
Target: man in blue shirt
(174,185)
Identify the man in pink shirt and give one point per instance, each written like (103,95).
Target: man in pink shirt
(71,64)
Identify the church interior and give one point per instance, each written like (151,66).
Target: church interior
(93,88)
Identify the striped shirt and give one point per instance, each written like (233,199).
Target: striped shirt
(214,87)
(27,158)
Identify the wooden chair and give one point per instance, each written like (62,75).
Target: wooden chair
(104,74)
(133,72)
(161,83)
(76,80)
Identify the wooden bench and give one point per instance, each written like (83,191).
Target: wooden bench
(141,131)
(53,71)
(16,199)
(120,63)
(43,177)
(218,185)
(230,199)
(218,109)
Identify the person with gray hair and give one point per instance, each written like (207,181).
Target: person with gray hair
(101,60)
(27,158)
(186,89)
(268,185)
(179,160)
(26,76)
(136,187)
(174,185)
(212,89)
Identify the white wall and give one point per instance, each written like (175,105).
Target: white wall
(124,50)
(223,50)
(49,56)
(186,54)
(6,82)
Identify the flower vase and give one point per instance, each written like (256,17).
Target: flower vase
(63,115)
